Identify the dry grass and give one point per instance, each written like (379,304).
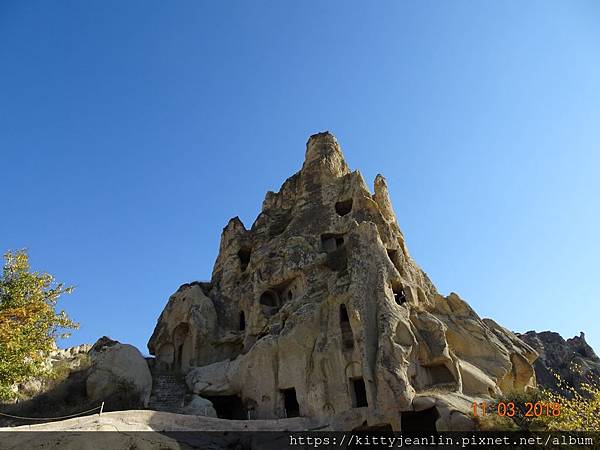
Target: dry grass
(575,410)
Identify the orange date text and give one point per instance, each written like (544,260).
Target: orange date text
(511,409)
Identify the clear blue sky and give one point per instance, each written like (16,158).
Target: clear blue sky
(130,132)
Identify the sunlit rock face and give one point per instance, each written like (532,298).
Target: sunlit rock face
(318,310)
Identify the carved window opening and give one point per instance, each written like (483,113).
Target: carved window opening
(337,254)
(290,402)
(242,321)
(419,421)
(344,207)
(331,242)
(347,336)
(275,296)
(359,392)
(244,255)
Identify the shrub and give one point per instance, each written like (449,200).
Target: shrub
(29,322)
(567,409)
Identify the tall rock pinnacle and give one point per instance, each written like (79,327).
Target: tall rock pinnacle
(324,156)
(318,310)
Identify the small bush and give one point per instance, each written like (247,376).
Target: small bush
(579,411)
(568,409)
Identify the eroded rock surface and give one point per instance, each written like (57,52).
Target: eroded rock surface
(572,360)
(318,310)
(63,362)
(118,368)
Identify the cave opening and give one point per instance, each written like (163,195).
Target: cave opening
(244,256)
(393,255)
(273,298)
(419,421)
(439,374)
(269,298)
(344,318)
(242,321)
(344,207)
(290,402)
(399,294)
(359,391)
(228,407)
(331,242)
(270,302)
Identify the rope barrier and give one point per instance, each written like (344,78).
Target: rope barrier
(101,407)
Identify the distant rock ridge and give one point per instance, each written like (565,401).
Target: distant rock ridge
(573,360)
(317,310)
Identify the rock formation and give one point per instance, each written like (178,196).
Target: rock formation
(62,362)
(573,360)
(118,368)
(319,311)
(83,378)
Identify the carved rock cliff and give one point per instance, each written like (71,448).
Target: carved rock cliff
(319,311)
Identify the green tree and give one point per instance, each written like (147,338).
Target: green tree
(29,322)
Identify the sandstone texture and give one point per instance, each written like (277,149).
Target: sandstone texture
(317,310)
(572,360)
(118,367)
